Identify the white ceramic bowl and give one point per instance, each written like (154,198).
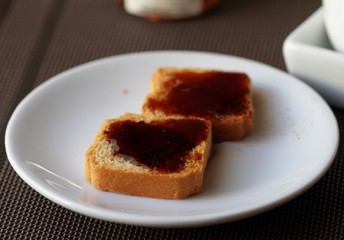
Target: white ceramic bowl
(309,55)
(334,21)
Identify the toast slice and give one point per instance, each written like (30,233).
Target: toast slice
(150,156)
(224,98)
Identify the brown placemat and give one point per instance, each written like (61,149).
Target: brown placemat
(40,38)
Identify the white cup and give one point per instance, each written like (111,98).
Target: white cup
(334,22)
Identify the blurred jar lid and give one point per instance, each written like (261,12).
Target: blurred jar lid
(155,10)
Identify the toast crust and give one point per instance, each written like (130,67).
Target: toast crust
(126,178)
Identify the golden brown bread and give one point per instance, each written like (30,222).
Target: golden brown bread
(224,98)
(107,168)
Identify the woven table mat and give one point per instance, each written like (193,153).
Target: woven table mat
(40,38)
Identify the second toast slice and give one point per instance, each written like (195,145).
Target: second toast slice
(224,98)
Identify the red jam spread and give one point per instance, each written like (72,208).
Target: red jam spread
(208,94)
(159,145)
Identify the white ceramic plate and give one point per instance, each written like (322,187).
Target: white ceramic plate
(293,144)
(310,56)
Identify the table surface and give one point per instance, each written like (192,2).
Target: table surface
(39,39)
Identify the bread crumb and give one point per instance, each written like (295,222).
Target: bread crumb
(124,91)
